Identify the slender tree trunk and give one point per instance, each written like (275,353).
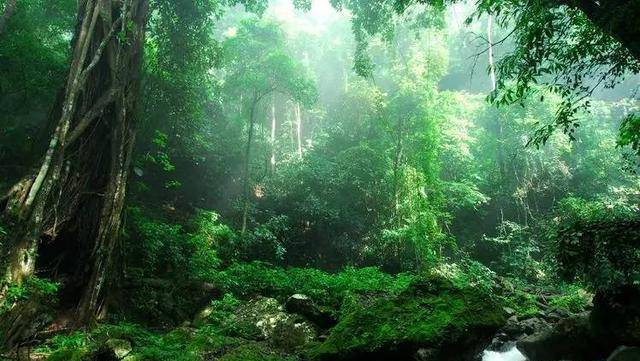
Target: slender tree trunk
(291,115)
(492,67)
(247,166)
(9,9)
(498,121)
(397,162)
(76,196)
(299,130)
(273,135)
(499,127)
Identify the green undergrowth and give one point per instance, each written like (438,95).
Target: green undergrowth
(329,290)
(33,288)
(373,310)
(572,298)
(139,344)
(181,344)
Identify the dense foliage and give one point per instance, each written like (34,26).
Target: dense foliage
(346,151)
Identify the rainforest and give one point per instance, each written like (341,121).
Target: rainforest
(319,180)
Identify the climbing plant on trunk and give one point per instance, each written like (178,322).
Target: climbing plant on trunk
(72,203)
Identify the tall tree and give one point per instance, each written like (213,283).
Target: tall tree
(572,47)
(75,197)
(272,139)
(299,130)
(259,66)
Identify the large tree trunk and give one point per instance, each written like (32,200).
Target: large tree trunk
(72,204)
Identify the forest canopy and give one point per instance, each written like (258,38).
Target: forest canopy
(381,179)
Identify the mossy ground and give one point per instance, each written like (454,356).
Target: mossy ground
(395,315)
(429,314)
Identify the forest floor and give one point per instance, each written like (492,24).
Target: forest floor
(257,312)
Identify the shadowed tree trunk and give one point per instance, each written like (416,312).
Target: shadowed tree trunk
(72,204)
(9,9)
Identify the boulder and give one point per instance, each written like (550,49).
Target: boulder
(516,329)
(569,339)
(615,318)
(264,319)
(614,321)
(305,307)
(533,325)
(432,321)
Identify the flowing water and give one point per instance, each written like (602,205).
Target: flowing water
(512,355)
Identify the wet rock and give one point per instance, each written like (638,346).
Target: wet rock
(516,329)
(569,339)
(624,353)
(533,325)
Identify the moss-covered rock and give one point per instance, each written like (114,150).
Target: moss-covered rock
(254,352)
(264,319)
(431,315)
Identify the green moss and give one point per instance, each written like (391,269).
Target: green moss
(431,313)
(69,355)
(253,352)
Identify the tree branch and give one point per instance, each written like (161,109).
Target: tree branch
(92,114)
(98,55)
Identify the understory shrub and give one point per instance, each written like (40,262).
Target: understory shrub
(257,278)
(33,288)
(168,265)
(597,242)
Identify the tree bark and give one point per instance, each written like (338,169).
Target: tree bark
(492,67)
(9,9)
(77,195)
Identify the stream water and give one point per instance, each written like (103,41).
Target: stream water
(512,355)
